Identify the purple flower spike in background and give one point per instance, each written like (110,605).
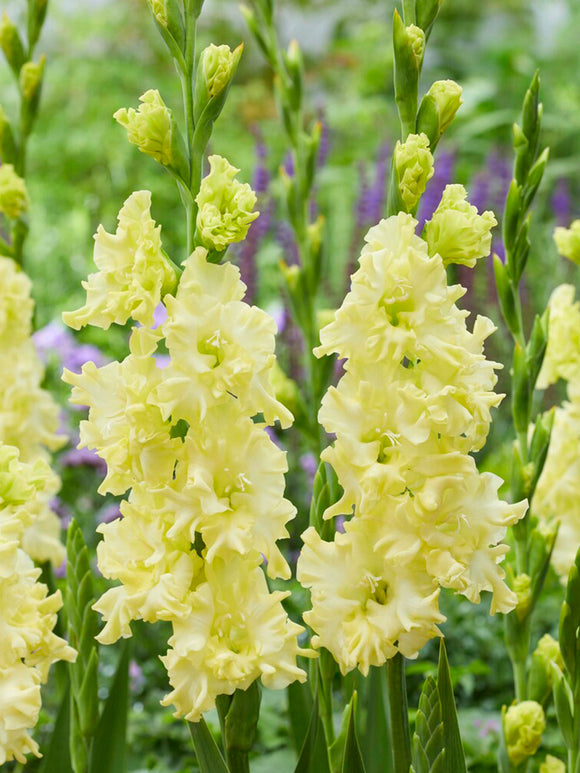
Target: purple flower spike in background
(55,339)
(83,457)
(443,176)
(110,513)
(561,202)
(324,147)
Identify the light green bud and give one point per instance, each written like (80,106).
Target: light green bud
(548,650)
(218,64)
(11,44)
(523,725)
(7,145)
(225,206)
(416,38)
(31,77)
(150,127)
(160,11)
(522,587)
(13,194)
(414,168)
(568,241)
(456,231)
(552,765)
(438,108)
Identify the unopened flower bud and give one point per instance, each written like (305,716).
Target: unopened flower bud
(552,765)
(31,78)
(568,241)
(13,193)
(11,44)
(150,127)
(456,231)
(416,38)
(523,725)
(218,64)
(160,11)
(438,108)
(522,587)
(225,206)
(548,650)
(414,167)
(7,144)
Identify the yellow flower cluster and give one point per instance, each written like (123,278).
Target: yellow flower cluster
(28,415)
(557,496)
(206,505)
(28,645)
(414,402)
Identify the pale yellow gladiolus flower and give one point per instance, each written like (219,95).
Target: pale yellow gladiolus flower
(568,241)
(414,167)
(150,127)
(524,724)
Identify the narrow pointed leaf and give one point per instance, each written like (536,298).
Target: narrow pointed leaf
(455,757)
(313,757)
(109,748)
(375,734)
(57,755)
(208,755)
(352,761)
(299,709)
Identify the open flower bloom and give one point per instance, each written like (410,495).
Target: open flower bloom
(150,127)
(562,358)
(414,401)
(207,504)
(28,645)
(237,632)
(225,206)
(456,231)
(134,272)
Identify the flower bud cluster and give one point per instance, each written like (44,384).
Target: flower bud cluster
(557,495)
(13,194)
(28,415)
(206,503)
(28,645)
(414,402)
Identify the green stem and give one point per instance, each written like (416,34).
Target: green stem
(520,678)
(187,77)
(400,733)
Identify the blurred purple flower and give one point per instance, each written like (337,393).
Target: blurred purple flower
(289,164)
(159,315)
(561,202)
(309,465)
(279,314)
(60,571)
(110,513)
(62,510)
(442,177)
(83,457)
(324,146)
(286,240)
(162,361)
(136,676)
(54,338)
(271,432)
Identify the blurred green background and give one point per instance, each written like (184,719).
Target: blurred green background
(104,55)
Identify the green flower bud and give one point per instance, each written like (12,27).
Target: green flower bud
(438,108)
(218,64)
(548,650)
(414,167)
(225,206)
(456,231)
(160,11)
(522,587)
(568,241)
(11,44)
(416,42)
(31,78)
(150,127)
(552,765)
(13,194)
(7,144)
(523,725)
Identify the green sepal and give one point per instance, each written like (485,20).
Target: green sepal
(209,757)
(539,680)
(536,346)
(518,257)
(428,739)
(241,722)
(8,148)
(511,219)
(428,121)
(534,178)
(313,756)
(294,64)
(540,445)
(406,70)
(506,296)
(109,748)
(520,479)
(300,703)
(521,397)
(324,494)
(36,17)
(563,702)
(530,129)
(540,548)
(257,29)
(194,7)
(569,634)
(455,757)
(425,13)
(311,146)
